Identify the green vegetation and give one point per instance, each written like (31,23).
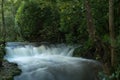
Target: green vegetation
(42,27)
(94,24)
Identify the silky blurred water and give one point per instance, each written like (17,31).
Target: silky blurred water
(49,62)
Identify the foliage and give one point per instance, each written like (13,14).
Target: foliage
(65,21)
(115,75)
(32,26)
(60,21)
(72,20)
(26,20)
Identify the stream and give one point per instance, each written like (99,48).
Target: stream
(50,62)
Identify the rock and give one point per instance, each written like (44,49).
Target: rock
(8,71)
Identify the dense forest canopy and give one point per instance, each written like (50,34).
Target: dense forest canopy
(95,24)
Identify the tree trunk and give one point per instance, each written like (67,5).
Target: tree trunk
(3,31)
(90,24)
(111,31)
(3,21)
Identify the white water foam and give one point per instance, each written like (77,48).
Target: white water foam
(50,62)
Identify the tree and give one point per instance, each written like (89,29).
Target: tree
(89,18)
(42,21)
(111,31)
(3,30)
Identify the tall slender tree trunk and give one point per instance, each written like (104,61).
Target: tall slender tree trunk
(90,23)
(3,31)
(111,31)
(3,21)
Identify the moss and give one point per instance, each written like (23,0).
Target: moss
(8,71)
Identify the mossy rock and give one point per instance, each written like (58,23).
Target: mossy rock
(8,71)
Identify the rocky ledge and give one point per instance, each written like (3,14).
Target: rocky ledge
(8,71)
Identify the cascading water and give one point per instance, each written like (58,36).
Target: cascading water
(50,62)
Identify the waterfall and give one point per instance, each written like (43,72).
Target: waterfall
(50,62)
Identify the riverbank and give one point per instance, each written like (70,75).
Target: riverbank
(8,71)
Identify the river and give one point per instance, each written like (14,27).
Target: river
(50,62)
